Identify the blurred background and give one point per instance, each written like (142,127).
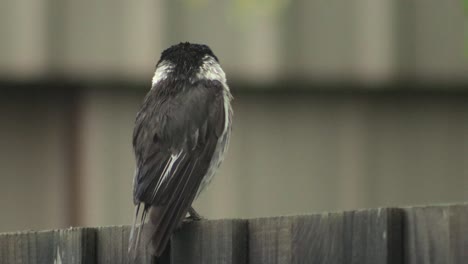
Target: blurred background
(339,104)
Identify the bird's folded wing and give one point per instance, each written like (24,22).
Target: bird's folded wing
(174,140)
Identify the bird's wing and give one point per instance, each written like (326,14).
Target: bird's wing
(174,140)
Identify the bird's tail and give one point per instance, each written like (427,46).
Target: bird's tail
(158,230)
(162,223)
(164,219)
(167,216)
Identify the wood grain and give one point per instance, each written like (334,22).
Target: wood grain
(215,242)
(366,236)
(71,246)
(112,246)
(411,235)
(436,234)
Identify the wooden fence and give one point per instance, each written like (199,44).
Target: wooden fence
(423,235)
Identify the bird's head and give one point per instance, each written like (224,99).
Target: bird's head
(188,62)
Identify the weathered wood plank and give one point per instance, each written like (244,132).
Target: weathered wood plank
(436,234)
(74,245)
(270,240)
(366,236)
(216,242)
(426,235)
(112,246)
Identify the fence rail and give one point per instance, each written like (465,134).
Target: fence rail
(410,235)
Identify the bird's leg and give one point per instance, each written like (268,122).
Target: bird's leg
(193,215)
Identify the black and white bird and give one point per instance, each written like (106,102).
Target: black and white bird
(181,133)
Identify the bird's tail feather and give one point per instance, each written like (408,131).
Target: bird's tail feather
(165,219)
(168,215)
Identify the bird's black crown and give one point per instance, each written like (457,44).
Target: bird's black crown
(187,56)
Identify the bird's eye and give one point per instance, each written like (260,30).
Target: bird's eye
(155,138)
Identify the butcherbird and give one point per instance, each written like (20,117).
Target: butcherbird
(181,133)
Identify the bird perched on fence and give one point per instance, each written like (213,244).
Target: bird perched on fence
(181,133)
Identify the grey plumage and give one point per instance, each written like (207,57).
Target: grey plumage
(181,133)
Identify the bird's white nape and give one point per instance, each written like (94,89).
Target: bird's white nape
(211,70)
(162,72)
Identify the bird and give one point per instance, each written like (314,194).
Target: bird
(182,131)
